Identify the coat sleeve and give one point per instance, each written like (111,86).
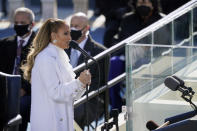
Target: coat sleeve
(58,91)
(79,93)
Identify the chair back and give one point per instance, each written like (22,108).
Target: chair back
(9,97)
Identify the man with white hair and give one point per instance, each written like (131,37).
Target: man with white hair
(13,52)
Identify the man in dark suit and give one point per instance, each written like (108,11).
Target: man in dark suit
(80,33)
(13,52)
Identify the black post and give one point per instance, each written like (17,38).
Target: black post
(86,104)
(114,114)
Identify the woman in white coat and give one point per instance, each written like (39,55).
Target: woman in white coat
(54,87)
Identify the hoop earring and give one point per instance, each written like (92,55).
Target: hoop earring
(54,41)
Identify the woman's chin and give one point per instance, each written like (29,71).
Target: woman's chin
(66,47)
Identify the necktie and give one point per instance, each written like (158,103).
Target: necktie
(18,57)
(74,58)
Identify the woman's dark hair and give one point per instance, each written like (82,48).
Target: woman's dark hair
(154,3)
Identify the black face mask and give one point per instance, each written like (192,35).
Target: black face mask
(143,10)
(21,30)
(75,34)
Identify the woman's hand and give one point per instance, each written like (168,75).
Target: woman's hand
(85,77)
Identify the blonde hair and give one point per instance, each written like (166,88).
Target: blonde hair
(41,41)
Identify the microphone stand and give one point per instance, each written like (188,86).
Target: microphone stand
(108,125)
(75,45)
(86,112)
(189,93)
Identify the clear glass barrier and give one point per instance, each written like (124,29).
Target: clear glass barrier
(147,67)
(163,50)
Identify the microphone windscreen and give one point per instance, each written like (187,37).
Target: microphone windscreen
(180,81)
(151,125)
(73,44)
(172,83)
(181,117)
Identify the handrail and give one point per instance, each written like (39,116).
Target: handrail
(92,94)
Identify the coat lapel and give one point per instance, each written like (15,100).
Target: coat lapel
(30,40)
(68,51)
(65,69)
(87,48)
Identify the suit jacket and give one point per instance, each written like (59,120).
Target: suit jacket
(92,48)
(8,50)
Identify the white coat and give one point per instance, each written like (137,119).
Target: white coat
(54,89)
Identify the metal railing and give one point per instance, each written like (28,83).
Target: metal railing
(101,89)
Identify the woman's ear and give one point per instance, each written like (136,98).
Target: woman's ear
(53,38)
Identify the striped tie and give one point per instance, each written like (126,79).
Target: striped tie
(18,58)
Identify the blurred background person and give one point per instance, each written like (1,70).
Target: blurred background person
(113,10)
(80,33)
(145,13)
(13,51)
(54,87)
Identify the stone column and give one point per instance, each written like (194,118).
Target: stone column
(49,9)
(12,6)
(80,6)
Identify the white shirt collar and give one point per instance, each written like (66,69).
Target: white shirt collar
(25,40)
(81,45)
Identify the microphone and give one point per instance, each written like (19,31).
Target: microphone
(75,45)
(151,125)
(182,84)
(164,125)
(174,85)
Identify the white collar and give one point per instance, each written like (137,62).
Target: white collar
(26,39)
(60,52)
(81,45)
(62,57)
